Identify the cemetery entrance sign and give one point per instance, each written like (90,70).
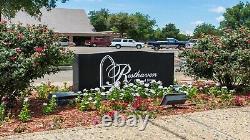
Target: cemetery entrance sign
(105,69)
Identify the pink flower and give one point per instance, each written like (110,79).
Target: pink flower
(18,50)
(13,58)
(239,101)
(39,49)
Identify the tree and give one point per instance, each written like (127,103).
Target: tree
(26,53)
(205,29)
(100,19)
(142,27)
(237,16)
(183,37)
(170,31)
(224,59)
(9,8)
(121,22)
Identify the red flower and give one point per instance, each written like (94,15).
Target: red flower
(39,49)
(111,114)
(137,102)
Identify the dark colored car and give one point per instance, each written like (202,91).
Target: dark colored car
(168,43)
(98,42)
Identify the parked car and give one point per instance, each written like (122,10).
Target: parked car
(190,44)
(98,42)
(168,43)
(118,43)
(65,42)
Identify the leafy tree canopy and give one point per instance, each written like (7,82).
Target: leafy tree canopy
(9,8)
(205,29)
(238,15)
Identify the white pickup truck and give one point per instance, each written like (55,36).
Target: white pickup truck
(118,43)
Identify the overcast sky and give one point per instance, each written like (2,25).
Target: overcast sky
(186,14)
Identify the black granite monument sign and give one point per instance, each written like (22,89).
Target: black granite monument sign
(105,69)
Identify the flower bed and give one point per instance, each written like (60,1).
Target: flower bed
(88,108)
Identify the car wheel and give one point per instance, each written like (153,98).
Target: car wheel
(156,48)
(138,46)
(118,46)
(94,45)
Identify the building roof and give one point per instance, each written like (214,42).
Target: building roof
(58,19)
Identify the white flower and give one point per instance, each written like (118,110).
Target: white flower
(189,86)
(90,98)
(137,80)
(224,87)
(159,82)
(94,102)
(152,91)
(26,99)
(125,86)
(153,81)
(160,87)
(146,89)
(200,88)
(103,93)
(79,92)
(54,96)
(131,84)
(217,84)
(97,89)
(146,85)
(117,84)
(45,104)
(112,99)
(232,91)
(85,90)
(103,88)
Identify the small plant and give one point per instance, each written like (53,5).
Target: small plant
(44,90)
(239,101)
(20,128)
(57,122)
(2,112)
(50,107)
(24,115)
(191,91)
(218,91)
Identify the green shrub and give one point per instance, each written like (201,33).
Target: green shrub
(24,115)
(225,59)
(2,112)
(51,106)
(26,53)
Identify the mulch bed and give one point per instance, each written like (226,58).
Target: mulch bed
(68,117)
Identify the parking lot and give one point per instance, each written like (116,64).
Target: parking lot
(89,50)
(67,75)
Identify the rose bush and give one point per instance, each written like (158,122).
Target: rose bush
(225,59)
(26,53)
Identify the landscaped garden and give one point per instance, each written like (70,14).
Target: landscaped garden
(28,53)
